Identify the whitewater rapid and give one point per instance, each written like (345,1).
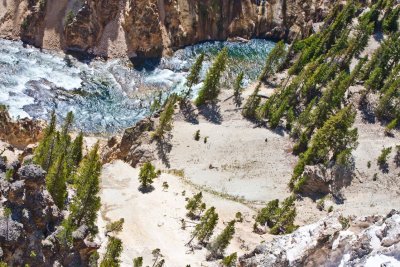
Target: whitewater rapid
(107,96)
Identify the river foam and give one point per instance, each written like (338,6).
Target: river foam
(107,96)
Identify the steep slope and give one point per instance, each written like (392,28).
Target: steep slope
(152,28)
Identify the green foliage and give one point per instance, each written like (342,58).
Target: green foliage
(138,262)
(279,218)
(195,205)
(197,135)
(194,74)
(147,174)
(334,137)
(115,227)
(44,152)
(3,264)
(113,253)
(383,157)
(397,156)
(250,107)
(69,18)
(210,89)
(204,230)
(239,216)
(230,261)
(86,202)
(274,59)
(238,88)
(166,118)
(9,175)
(390,22)
(94,259)
(222,241)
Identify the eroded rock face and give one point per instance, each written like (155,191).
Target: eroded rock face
(151,28)
(334,241)
(19,133)
(321,180)
(135,147)
(28,234)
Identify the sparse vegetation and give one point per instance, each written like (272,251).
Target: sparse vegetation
(147,175)
(279,218)
(197,135)
(113,253)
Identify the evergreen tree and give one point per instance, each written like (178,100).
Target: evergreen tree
(279,218)
(204,230)
(230,261)
(222,241)
(237,89)
(274,59)
(194,74)
(113,253)
(75,153)
(138,262)
(147,175)
(56,181)
(166,118)
(195,205)
(86,202)
(44,151)
(210,89)
(252,103)
(334,137)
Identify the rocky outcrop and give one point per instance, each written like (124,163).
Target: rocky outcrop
(334,241)
(151,28)
(19,133)
(322,180)
(29,222)
(136,145)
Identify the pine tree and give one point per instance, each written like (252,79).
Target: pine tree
(56,181)
(44,151)
(274,59)
(86,202)
(210,89)
(147,175)
(222,241)
(252,103)
(138,262)
(334,137)
(75,153)
(195,205)
(230,261)
(194,74)
(204,230)
(237,89)
(166,118)
(113,253)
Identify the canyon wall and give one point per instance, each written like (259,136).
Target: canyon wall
(151,28)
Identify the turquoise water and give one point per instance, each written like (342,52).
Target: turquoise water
(107,96)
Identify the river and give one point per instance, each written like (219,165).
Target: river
(108,96)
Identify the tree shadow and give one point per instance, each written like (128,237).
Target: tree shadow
(146,189)
(163,149)
(367,112)
(188,112)
(211,112)
(384,167)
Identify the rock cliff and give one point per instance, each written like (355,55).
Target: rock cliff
(30,222)
(151,28)
(334,241)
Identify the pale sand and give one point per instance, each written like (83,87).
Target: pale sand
(152,220)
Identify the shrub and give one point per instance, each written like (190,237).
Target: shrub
(279,217)
(147,175)
(383,158)
(230,261)
(197,135)
(69,18)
